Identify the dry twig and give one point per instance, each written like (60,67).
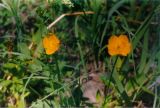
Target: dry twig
(68,14)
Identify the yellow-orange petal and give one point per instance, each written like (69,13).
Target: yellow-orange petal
(54,38)
(49,51)
(125,45)
(119,45)
(45,42)
(112,45)
(51,43)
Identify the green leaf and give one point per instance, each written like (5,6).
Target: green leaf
(142,29)
(40,104)
(35,66)
(38,50)
(5,83)
(120,87)
(119,63)
(99,98)
(37,40)
(24,50)
(10,65)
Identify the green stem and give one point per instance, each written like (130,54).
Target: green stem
(25,86)
(58,68)
(107,88)
(79,46)
(82,58)
(118,83)
(119,86)
(111,75)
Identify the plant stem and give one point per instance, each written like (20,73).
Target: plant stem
(58,69)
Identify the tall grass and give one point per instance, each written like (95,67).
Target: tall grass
(30,78)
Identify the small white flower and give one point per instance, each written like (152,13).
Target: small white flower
(68,3)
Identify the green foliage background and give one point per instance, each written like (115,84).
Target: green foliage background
(30,78)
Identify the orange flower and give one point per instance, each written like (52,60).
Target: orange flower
(119,45)
(51,43)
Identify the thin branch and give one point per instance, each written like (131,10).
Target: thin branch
(68,14)
(55,21)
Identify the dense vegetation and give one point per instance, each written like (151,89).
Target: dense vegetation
(76,53)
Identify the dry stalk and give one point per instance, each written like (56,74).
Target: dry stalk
(68,14)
